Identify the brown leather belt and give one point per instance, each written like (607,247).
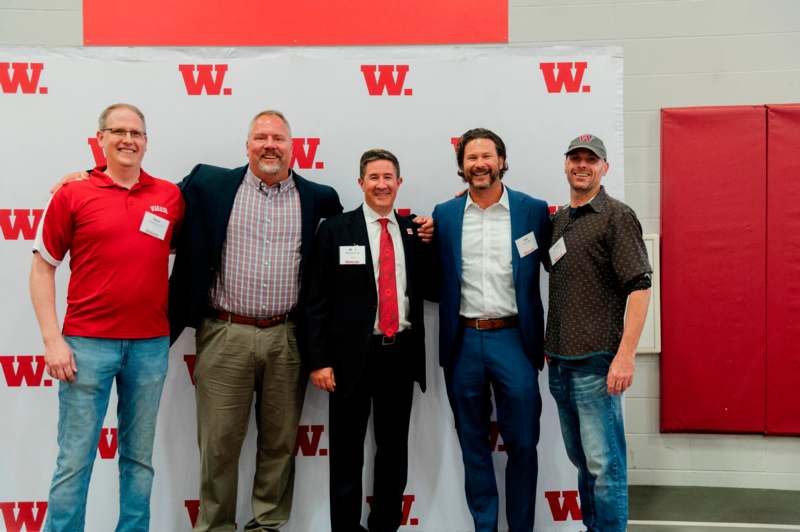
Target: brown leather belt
(488,324)
(261,323)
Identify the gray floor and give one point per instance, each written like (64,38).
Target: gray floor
(663,508)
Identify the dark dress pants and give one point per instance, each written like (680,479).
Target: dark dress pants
(386,389)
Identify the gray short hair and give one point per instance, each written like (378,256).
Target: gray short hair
(102,121)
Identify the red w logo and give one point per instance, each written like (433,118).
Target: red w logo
(569,508)
(18,222)
(97,152)
(564,79)
(386,79)
(309,445)
(25,373)
(107,446)
(204,80)
(20,79)
(408,500)
(192,508)
(190,359)
(454,142)
(494,437)
(24,520)
(303,153)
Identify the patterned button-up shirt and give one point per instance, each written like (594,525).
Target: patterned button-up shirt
(260,270)
(605,260)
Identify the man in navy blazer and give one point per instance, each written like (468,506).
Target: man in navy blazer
(490,244)
(367,361)
(242,262)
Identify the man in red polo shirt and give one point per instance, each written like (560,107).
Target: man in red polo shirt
(117,227)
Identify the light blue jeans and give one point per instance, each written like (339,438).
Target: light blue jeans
(594,436)
(139,368)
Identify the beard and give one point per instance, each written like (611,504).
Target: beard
(493,175)
(269,168)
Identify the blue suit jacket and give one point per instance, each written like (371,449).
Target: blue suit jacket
(527,214)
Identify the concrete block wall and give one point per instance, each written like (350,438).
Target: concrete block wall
(677,53)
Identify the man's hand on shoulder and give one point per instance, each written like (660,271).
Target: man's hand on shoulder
(425,229)
(83,175)
(59,360)
(323,379)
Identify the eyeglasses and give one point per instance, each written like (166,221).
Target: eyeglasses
(122,133)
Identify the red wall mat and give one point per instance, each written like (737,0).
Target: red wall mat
(713,239)
(300,23)
(783,269)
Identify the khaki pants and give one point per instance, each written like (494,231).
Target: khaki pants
(233,361)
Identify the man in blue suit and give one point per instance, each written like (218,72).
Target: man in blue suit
(490,244)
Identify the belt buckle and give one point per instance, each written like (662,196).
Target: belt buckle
(478,323)
(388,340)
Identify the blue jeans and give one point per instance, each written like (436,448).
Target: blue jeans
(594,436)
(139,368)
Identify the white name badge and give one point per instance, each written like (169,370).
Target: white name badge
(154,225)
(352,255)
(526,244)
(558,250)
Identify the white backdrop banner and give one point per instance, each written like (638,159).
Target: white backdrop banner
(413,101)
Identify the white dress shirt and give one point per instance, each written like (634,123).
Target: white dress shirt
(374,233)
(487,278)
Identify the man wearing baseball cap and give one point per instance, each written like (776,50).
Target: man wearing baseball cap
(599,293)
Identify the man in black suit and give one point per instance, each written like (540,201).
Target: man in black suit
(367,342)
(241,265)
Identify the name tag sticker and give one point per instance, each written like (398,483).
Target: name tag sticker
(558,250)
(352,255)
(526,244)
(154,225)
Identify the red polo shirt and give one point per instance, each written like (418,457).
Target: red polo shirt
(118,273)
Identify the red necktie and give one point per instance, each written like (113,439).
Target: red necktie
(388,320)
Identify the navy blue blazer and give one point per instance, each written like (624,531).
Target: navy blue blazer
(209,192)
(527,214)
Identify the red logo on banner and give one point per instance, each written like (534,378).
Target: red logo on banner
(408,500)
(564,79)
(308,445)
(97,152)
(494,438)
(303,153)
(19,222)
(24,370)
(23,519)
(107,446)
(15,76)
(552,208)
(204,79)
(454,142)
(564,505)
(190,359)
(386,80)
(192,508)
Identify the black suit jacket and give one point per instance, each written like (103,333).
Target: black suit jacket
(209,192)
(342,301)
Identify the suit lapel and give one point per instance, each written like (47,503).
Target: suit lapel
(517,214)
(227,195)
(358,232)
(458,232)
(408,247)
(307,227)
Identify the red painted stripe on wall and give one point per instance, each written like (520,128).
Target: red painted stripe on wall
(299,23)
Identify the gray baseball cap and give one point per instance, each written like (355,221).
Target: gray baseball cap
(588,142)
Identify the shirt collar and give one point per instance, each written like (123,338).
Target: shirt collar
(253,180)
(371,216)
(503,201)
(599,202)
(100,178)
